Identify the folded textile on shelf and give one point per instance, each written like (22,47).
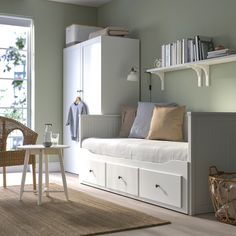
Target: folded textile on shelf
(110,31)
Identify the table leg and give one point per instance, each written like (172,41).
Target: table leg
(26,161)
(40,177)
(63,173)
(46,175)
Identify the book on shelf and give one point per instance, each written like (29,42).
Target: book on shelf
(178,52)
(163,55)
(192,50)
(173,53)
(168,54)
(225,50)
(197,48)
(204,44)
(184,50)
(221,53)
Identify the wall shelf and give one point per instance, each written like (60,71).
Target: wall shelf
(200,67)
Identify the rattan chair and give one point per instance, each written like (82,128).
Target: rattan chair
(15,157)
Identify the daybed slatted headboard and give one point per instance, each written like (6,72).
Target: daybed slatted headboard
(102,126)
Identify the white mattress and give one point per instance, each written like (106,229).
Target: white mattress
(138,149)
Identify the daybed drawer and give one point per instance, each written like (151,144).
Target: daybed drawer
(122,178)
(93,172)
(160,186)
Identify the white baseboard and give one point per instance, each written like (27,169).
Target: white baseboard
(52,167)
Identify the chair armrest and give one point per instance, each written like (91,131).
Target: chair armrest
(101,126)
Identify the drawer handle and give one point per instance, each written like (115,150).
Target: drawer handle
(121,178)
(157,186)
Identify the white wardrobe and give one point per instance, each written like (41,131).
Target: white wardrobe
(96,70)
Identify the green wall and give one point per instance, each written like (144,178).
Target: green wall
(50,20)
(156,22)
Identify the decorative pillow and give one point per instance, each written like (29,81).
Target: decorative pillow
(143,118)
(167,123)
(128,114)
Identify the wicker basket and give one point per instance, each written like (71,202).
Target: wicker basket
(223,194)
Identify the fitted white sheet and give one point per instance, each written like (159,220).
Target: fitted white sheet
(138,149)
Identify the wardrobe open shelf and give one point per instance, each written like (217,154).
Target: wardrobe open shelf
(200,67)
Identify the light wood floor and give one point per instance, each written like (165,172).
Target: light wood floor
(181,225)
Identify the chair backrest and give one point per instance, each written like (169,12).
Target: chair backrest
(7,125)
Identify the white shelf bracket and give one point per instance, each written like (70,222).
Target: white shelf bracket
(161,75)
(198,70)
(206,70)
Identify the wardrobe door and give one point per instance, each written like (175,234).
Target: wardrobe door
(71,84)
(91,63)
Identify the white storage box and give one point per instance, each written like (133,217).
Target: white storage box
(79,33)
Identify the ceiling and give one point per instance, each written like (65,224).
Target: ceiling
(90,3)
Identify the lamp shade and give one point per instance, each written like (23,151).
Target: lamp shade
(133,75)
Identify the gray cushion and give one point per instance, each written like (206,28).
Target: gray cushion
(143,118)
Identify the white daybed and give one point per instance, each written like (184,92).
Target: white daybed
(175,177)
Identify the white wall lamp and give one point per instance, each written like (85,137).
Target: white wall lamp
(133,75)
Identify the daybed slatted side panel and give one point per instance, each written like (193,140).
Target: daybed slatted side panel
(102,126)
(213,142)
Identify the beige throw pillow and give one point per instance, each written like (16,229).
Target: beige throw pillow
(167,123)
(128,114)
